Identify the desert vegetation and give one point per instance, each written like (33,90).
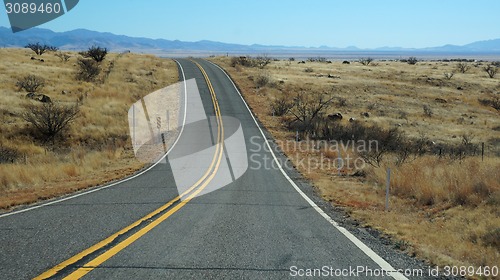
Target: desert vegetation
(64,126)
(438,133)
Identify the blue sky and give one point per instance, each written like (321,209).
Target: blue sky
(361,23)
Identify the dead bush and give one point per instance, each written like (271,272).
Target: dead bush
(31,83)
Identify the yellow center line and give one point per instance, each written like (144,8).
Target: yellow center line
(206,178)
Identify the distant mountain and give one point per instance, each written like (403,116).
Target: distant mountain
(80,39)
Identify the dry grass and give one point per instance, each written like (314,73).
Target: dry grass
(96,149)
(445,211)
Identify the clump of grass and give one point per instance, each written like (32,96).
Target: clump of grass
(429,180)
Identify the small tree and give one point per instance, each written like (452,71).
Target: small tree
(365,60)
(50,119)
(41,49)
(307,107)
(31,83)
(491,70)
(412,60)
(96,53)
(463,67)
(88,70)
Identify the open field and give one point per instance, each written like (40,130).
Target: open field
(445,200)
(96,148)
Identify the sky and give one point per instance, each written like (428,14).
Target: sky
(308,23)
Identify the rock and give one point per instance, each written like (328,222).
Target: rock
(64,92)
(44,99)
(30,95)
(352,119)
(460,88)
(441,100)
(335,117)
(365,114)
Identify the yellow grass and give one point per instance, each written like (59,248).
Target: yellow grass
(97,147)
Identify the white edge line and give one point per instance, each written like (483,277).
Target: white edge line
(369,252)
(118,182)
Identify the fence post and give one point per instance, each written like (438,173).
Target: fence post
(388,183)
(482,151)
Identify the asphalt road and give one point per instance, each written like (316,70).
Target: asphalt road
(258,226)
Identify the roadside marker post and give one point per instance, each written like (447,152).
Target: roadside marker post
(388,184)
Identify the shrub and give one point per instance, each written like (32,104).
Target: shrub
(365,60)
(262,80)
(281,105)
(463,67)
(88,70)
(50,119)
(40,49)
(308,70)
(96,53)
(31,83)
(491,70)
(8,155)
(412,60)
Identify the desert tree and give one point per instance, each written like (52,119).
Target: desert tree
(98,54)
(40,49)
(88,70)
(491,70)
(30,83)
(463,67)
(412,60)
(50,119)
(308,106)
(365,60)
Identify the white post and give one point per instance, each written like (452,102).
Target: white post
(388,183)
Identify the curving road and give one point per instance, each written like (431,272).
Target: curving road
(231,220)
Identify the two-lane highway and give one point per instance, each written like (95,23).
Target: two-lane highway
(258,226)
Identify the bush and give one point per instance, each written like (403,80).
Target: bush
(491,70)
(494,102)
(463,67)
(280,106)
(8,155)
(31,83)
(412,60)
(50,119)
(262,80)
(308,70)
(88,70)
(96,53)
(41,49)
(365,60)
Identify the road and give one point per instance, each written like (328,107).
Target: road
(257,225)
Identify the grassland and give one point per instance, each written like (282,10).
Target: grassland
(443,209)
(96,148)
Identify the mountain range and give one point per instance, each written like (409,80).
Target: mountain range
(80,39)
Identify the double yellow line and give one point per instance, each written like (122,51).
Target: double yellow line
(190,193)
